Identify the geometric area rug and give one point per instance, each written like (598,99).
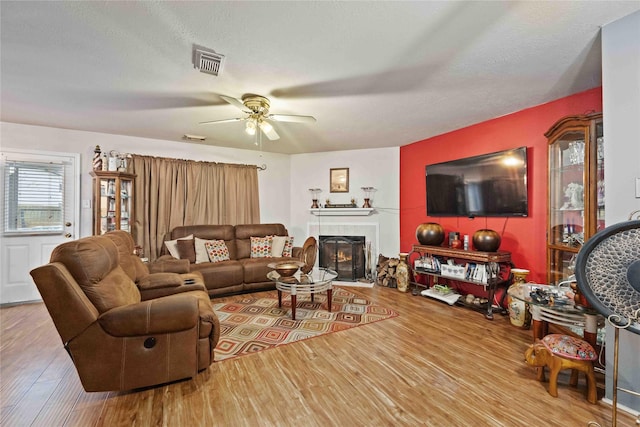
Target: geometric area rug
(249,325)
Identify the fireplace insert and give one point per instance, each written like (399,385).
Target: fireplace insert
(344,254)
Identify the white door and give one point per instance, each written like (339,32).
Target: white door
(40,207)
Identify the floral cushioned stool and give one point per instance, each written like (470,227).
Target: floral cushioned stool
(558,352)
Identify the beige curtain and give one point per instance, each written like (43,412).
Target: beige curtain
(172,192)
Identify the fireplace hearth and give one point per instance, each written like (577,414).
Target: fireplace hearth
(344,254)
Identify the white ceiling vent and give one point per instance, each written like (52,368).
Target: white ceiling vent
(207,60)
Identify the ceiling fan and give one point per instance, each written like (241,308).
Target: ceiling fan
(257,109)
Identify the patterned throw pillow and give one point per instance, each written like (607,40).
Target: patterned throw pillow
(288,247)
(261,247)
(217,250)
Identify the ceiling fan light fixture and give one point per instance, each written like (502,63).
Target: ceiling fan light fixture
(250,127)
(266,126)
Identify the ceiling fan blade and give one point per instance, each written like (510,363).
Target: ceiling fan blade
(237,119)
(269,131)
(292,118)
(234,101)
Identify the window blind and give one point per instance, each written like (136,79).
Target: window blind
(34,197)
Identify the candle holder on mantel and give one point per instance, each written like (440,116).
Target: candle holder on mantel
(315,192)
(368,192)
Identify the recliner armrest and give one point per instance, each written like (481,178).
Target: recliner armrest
(163,315)
(169,264)
(159,281)
(163,292)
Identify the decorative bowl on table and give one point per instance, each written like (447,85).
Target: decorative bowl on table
(286,268)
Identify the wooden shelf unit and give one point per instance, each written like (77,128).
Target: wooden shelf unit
(490,260)
(576,190)
(113,194)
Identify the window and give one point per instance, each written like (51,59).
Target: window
(33,197)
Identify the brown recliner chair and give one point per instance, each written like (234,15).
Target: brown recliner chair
(117,340)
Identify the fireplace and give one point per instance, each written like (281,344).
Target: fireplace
(344,254)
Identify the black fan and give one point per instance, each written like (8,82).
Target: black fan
(608,273)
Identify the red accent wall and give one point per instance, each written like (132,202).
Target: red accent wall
(525,238)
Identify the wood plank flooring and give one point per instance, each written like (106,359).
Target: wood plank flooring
(433,365)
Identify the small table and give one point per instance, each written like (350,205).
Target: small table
(560,311)
(317,280)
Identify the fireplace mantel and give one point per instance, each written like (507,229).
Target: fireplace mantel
(341,211)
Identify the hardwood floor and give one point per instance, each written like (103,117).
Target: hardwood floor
(433,365)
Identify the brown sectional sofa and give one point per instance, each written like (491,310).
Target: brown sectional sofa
(239,274)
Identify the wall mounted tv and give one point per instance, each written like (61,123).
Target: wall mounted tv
(493,184)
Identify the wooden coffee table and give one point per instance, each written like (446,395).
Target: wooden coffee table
(317,280)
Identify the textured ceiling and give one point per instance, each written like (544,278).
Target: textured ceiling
(373,74)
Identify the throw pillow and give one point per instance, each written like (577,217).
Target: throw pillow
(288,247)
(217,250)
(261,247)
(186,250)
(277,245)
(201,251)
(172,245)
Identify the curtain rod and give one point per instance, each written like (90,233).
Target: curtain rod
(262,167)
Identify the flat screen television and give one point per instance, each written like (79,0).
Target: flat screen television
(493,184)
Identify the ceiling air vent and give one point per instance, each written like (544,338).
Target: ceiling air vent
(207,61)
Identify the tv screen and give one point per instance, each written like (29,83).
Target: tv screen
(493,184)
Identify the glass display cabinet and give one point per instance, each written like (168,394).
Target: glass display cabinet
(112,201)
(576,190)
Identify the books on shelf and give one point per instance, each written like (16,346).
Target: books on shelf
(471,271)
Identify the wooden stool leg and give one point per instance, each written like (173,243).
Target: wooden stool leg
(592,395)
(553,378)
(574,377)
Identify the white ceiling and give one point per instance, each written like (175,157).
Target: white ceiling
(373,74)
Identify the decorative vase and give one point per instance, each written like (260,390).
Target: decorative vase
(456,243)
(430,233)
(367,203)
(486,240)
(519,314)
(402,273)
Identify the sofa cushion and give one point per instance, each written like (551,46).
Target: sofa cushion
(261,247)
(217,250)
(186,249)
(209,232)
(220,274)
(277,245)
(124,243)
(244,232)
(288,247)
(172,245)
(202,255)
(94,264)
(281,246)
(256,269)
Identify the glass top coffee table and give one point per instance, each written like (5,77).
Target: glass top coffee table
(554,304)
(317,280)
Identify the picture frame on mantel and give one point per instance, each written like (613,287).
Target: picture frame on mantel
(339,180)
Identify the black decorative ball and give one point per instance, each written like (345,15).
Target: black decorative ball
(430,233)
(486,240)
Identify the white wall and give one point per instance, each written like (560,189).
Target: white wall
(621,113)
(284,195)
(274,182)
(378,168)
